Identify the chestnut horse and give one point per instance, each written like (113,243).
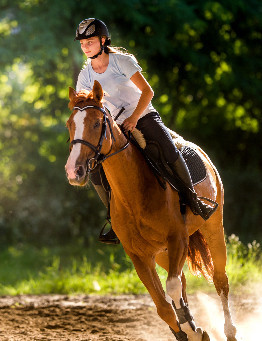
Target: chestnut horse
(147,218)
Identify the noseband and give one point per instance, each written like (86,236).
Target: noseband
(98,158)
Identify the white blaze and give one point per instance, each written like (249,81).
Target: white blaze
(76,148)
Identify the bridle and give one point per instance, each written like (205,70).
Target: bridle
(98,158)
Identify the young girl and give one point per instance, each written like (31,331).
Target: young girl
(127,92)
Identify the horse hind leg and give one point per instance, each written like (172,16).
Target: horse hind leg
(217,247)
(222,288)
(175,290)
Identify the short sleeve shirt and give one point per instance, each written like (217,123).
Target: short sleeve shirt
(119,91)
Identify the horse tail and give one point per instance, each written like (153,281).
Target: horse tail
(199,257)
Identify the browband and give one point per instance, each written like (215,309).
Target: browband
(90,106)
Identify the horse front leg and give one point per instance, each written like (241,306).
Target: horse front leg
(177,251)
(163,261)
(145,268)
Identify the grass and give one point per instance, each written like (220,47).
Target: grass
(73,269)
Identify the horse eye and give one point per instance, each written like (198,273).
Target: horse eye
(97,124)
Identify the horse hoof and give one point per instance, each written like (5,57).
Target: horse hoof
(231,333)
(205,336)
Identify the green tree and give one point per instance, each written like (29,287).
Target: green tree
(203,60)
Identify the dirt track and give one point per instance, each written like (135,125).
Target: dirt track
(115,318)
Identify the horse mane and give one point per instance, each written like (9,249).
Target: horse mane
(81,97)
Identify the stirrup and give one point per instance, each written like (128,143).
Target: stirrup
(109,237)
(198,207)
(204,210)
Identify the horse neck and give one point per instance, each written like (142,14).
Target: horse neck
(118,138)
(123,170)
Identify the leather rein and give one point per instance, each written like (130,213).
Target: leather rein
(98,158)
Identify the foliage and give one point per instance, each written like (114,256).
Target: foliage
(203,60)
(244,262)
(100,269)
(67,269)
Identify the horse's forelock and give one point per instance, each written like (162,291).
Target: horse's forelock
(84,94)
(81,96)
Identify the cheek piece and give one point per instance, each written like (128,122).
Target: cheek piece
(101,50)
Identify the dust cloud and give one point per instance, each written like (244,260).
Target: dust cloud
(246,312)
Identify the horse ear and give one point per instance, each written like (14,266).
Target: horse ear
(72,93)
(97,91)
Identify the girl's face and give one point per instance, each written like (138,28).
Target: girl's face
(90,46)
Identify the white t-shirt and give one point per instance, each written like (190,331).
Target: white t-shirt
(119,90)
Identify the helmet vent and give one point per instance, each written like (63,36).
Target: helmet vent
(90,30)
(84,24)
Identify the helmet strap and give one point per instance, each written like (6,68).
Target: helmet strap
(101,50)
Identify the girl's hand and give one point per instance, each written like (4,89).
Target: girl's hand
(129,124)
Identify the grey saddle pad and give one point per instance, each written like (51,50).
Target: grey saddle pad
(195,165)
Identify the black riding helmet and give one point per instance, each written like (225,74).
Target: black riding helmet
(93,28)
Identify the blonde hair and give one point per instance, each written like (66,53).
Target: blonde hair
(119,50)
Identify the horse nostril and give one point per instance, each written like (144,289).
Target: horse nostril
(79,171)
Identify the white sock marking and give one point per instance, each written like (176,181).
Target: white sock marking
(229,328)
(174,290)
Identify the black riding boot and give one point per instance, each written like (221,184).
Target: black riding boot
(186,189)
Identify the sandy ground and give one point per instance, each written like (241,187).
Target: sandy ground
(104,318)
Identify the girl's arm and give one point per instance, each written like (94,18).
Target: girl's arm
(145,98)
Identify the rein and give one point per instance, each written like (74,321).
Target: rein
(98,158)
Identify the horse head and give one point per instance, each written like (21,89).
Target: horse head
(90,133)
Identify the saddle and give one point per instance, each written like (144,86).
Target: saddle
(154,157)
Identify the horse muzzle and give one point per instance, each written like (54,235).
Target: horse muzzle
(77,176)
